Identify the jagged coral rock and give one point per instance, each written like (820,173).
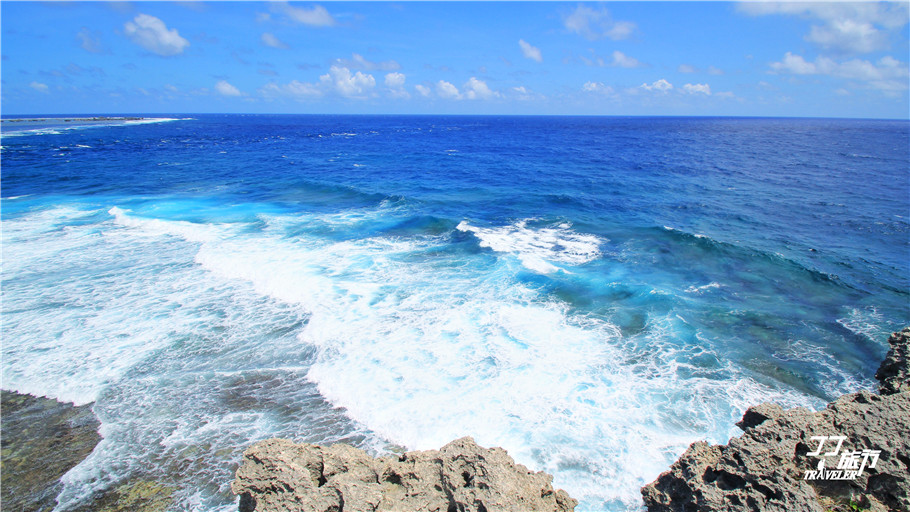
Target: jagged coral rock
(277,474)
(765,468)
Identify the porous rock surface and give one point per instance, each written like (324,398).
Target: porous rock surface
(41,439)
(765,469)
(279,475)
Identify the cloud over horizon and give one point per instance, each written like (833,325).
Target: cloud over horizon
(152,34)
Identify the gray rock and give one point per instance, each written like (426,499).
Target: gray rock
(894,373)
(279,475)
(766,468)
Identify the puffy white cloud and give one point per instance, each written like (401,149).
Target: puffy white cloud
(347,84)
(849,35)
(318,16)
(395,83)
(358,62)
(395,80)
(152,34)
(531,52)
(38,86)
(225,89)
(697,89)
(476,89)
(624,61)
(797,65)
(423,90)
(269,39)
(596,24)
(660,86)
(847,28)
(447,90)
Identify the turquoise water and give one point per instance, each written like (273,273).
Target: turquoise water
(592,294)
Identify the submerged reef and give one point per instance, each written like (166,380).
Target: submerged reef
(277,474)
(853,455)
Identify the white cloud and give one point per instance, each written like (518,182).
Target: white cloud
(846,28)
(38,86)
(715,71)
(423,90)
(531,52)
(294,89)
(318,16)
(660,85)
(597,87)
(90,42)
(522,93)
(447,90)
(395,80)
(624,61)
(685,68)
(697,89)
(152,34)
(343,82)
(225,89)
(887,74)
(395,83)
(269,39)
(595,24)
(476,89)
(848,35)
(797,65)
(357,61)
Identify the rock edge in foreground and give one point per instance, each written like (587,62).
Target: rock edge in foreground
(277,474)
(766,468)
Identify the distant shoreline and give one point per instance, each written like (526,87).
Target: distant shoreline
(71,119)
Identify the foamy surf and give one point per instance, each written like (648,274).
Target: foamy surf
(539,249)
(420,356)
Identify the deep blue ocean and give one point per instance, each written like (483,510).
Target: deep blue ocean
(592,294)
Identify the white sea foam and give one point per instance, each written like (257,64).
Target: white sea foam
(414,351)
(703,288)
(538,248)
(865,322)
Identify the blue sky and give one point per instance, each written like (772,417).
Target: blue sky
(612,58)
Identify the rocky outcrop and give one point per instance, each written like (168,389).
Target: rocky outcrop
(894,373)
(277,474)
(790,460)
(41,440)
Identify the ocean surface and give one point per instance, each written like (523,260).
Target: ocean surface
(592,294)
